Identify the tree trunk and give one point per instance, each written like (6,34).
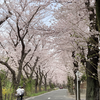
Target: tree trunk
(45,85)
(92,92)
(40,82)
(70,85)
(36,81)
(98,25)
(36,84)
(39,87)
(98,14)
(0,89)
(51,84)
(35,88)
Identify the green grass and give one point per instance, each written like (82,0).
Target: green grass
(30,90)
(30,94)
(36,94)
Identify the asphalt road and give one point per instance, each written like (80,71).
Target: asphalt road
(60,94)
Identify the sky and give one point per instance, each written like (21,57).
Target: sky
(49,20)
(1,1)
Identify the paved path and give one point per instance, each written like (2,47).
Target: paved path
(60,94)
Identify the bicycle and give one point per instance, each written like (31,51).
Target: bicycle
(19,97)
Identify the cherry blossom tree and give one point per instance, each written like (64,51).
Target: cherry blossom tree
(73,21)
(2,20)
(20,30)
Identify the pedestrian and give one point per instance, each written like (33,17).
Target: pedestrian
(20,93)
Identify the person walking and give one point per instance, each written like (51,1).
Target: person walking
(20,93)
